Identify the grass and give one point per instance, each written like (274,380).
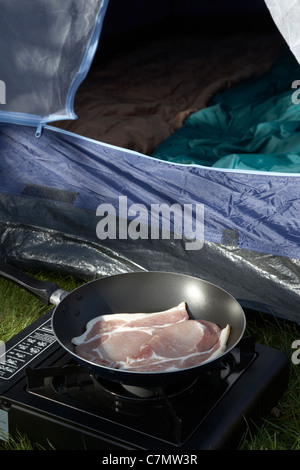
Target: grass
(281,431)
(18,308)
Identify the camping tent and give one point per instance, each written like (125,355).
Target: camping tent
(192,167)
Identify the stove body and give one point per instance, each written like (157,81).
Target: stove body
(58,404)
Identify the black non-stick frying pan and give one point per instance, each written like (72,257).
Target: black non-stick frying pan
(144,292)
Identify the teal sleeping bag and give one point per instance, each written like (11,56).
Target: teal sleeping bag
(252,126)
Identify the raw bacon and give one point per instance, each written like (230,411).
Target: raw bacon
(113,339)
(159,341)
(193,357)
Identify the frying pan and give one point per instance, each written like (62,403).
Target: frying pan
(144,292)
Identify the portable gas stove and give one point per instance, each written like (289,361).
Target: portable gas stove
(59,404)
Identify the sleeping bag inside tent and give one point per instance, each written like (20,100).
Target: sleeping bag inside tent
(157,136)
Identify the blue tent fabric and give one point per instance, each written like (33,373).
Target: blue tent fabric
(253,126)
(262,208)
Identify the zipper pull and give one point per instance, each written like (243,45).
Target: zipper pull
(39,129)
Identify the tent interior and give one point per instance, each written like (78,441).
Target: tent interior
(160,62)
(184,102)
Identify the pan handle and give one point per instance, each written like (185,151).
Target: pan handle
(40,289)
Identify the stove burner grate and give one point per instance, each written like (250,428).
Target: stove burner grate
(170,413)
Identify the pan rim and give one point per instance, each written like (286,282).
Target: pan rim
(89,364)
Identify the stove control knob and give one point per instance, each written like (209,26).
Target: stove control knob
(5,405)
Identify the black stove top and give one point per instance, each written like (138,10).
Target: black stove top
(59,404)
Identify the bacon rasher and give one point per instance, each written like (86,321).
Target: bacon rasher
(147,342)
